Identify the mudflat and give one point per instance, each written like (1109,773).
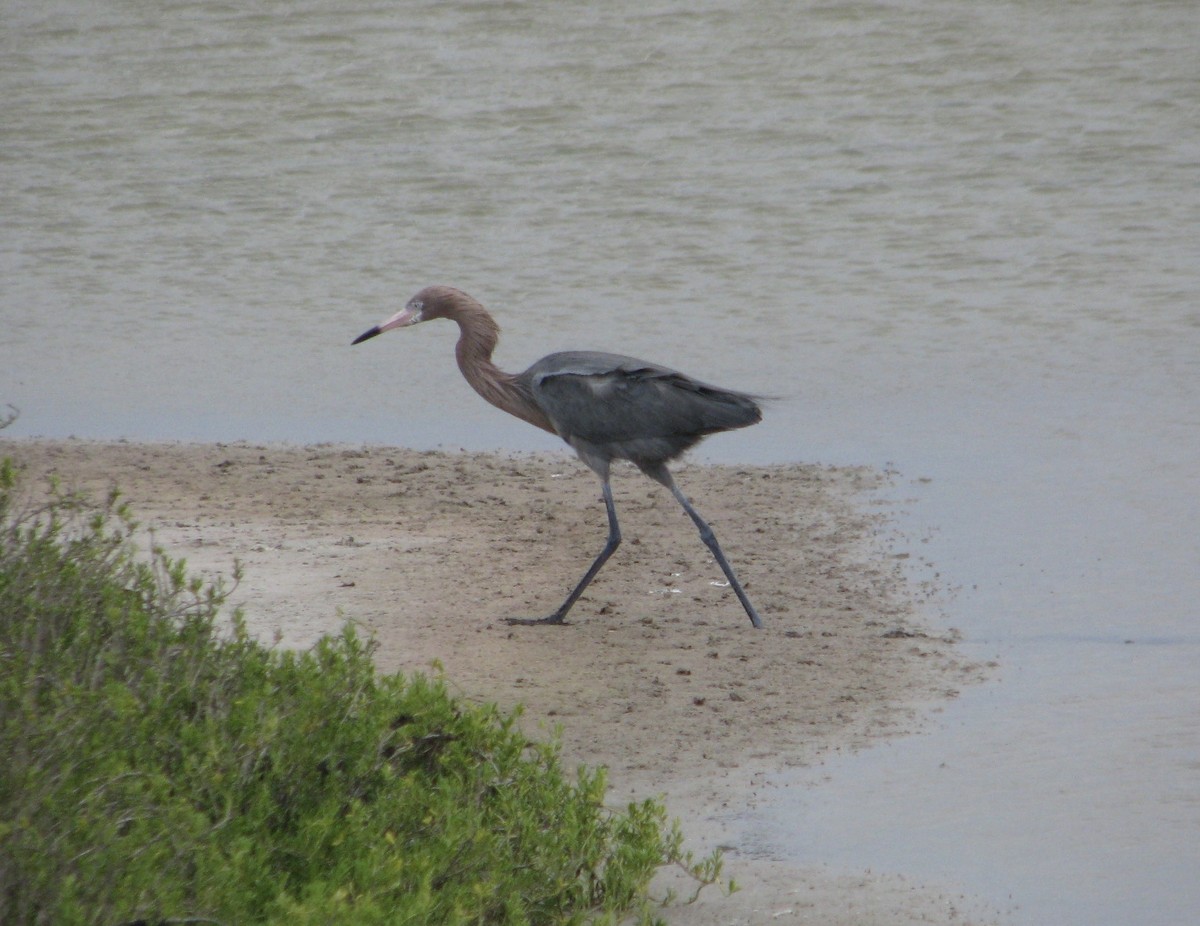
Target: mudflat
(657,675)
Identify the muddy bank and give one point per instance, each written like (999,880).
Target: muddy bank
(658,675)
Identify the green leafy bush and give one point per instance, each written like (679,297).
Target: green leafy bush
(158,768)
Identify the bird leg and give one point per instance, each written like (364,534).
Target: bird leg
(614,541)
(663,475)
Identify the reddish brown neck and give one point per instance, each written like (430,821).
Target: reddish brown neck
(479,334)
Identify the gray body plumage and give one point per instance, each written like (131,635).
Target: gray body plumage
(609,406)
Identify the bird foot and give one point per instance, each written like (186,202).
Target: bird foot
(534,621)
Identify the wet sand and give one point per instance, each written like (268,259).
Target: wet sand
(658,674)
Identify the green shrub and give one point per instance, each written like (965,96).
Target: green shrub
(159,768)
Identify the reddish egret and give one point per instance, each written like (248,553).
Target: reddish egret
(607,407)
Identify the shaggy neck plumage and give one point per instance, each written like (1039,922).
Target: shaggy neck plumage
(478,337)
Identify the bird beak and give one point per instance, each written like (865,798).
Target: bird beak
(401,319)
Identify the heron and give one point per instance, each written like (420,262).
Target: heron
(605,406)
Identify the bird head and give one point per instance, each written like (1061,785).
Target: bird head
(431,302)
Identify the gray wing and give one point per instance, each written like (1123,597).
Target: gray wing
(627,408)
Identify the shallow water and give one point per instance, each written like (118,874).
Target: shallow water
(954,238)
(1065,792)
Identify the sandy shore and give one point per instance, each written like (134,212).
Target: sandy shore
(658,676)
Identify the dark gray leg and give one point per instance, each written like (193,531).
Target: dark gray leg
(663,475)
(614,541)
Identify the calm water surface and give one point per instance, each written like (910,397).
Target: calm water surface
(957,238)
